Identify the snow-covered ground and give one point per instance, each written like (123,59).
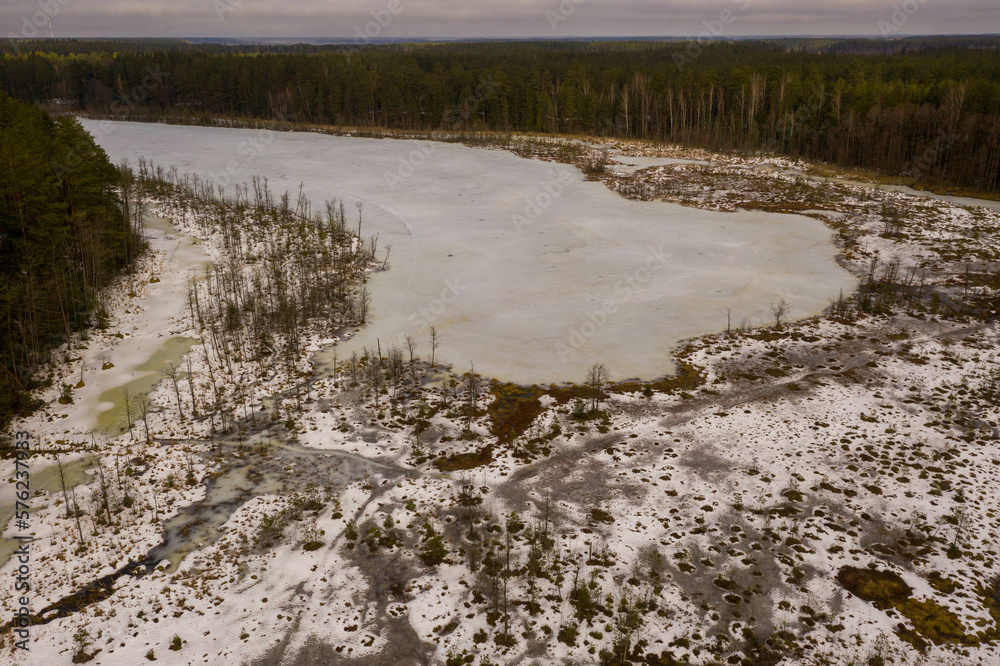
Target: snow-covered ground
(631,164)
(710,519)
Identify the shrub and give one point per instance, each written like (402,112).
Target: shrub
(433,552)
(567,634)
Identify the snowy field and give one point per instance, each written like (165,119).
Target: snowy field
(821,492)
(525,268)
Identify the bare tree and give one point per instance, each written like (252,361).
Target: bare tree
(364,303)
(190,382)
(472,395)
(434,344)
(729,320)
(105,497)
(597,377)
(336,368)
(411,346)
(961,521)
(354,368)
(778,310)
(171,372)
(143,404)
(127,399)
(76,516)
(394,363)
(62,481)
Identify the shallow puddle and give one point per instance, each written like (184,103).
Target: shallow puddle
(114,419)
(47,479)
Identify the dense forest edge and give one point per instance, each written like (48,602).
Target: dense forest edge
(925,110)
(69,223)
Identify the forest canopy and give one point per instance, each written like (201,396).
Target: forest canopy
(63,237)
(926,108)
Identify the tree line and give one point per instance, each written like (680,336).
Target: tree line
(928,109)
(68,226)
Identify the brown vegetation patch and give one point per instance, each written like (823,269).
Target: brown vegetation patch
(513,410)
(464,461)
(931,622)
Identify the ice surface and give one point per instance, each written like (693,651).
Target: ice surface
(525,268)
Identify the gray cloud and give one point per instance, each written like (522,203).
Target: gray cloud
(490,18)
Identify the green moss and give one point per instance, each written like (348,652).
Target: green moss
(990,597)
(793,495)
(931,621)
(884,589)
(941,583)
(601,516)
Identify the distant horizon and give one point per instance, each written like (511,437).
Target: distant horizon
(489,20)
(567,38)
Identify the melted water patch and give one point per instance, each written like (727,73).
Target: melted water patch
(114,420)
(48,480)
(259,466)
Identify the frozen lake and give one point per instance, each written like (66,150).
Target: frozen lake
(525,268)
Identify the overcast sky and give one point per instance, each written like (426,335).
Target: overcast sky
(493,18)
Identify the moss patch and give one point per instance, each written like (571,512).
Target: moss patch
(884,589)
(931,621)
(513,410)
(463,461)
(942,584)
(687,378)
(601,516)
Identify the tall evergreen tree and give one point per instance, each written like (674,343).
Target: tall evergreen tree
(63,237)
